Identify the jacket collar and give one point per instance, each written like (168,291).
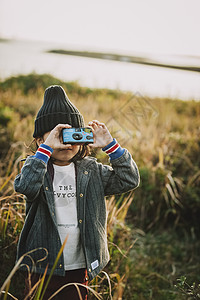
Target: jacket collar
(85,162)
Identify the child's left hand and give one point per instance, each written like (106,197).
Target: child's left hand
(102,136)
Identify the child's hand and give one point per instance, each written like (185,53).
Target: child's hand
(102,136)
(54,138)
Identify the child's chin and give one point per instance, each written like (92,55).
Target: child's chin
(64,150)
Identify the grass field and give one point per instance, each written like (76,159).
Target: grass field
(154,232)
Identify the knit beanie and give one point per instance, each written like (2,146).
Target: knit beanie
(56,109)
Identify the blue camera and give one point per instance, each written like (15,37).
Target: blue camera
(77,136)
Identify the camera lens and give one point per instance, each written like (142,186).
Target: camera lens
(77,136)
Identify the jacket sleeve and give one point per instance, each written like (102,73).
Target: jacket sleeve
(31,178)
(122,176)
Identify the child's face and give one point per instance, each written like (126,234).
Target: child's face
(61,157)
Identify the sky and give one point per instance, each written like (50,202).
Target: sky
(128,26)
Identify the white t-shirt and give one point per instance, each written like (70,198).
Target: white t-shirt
(64,186)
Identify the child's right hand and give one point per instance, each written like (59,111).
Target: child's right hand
(53,138)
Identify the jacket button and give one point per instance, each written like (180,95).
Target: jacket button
(60,266)
(46,188)
(80,221)
(86,172)
(81,195)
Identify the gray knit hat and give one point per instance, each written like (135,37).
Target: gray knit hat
(56,109)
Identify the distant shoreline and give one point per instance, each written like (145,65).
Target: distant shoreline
(123,58)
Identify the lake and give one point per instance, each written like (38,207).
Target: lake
(23,57)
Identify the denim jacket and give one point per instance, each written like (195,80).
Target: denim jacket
(94,181)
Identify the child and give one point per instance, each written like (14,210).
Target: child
(64,191)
